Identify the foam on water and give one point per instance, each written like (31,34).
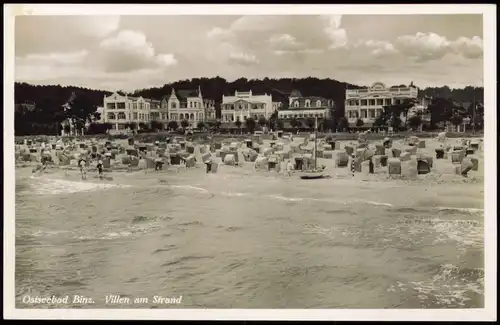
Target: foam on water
(48,186)
(450,287)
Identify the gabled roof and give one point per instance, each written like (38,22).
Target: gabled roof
(313,100)
(183,94)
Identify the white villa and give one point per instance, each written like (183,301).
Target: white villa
(120,110)
(367,103)
(244,105)
(306,107)
(185,105)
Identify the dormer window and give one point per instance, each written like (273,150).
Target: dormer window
(308,103)
(296,104)
(318,103)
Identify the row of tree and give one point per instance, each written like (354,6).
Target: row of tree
(55,104)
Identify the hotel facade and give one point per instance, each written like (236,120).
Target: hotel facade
(120,110)
(189,105)
(306,107)
(244,105)
(367,103)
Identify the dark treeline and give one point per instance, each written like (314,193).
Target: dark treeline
(49,100)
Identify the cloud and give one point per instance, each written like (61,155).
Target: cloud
(130,50)
(431,46)
(243,58)
(337,35)
(96,26)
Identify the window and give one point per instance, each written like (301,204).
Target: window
(110,105)
(191,117)
(308,103)
(296,104)
(120,105)
(122,116)
(135,116)
(388,101)
(363,102)
(181,116)
(318,103)
(111,116)
(371,102)
(174,105)
(372,113)
(380,102)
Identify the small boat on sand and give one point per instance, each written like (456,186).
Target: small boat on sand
(313,174)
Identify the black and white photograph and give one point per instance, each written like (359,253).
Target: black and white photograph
(250,162)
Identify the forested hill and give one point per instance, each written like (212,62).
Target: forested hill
(214,88)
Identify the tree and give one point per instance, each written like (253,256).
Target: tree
(456,120)
(262,121)
(380,121)
(173,125)
(67,128)
(310,122)
(184,124)
(132,126)
(279,124)
(250,124)
(156,125)
(359,122)
(218,124)
(238,123)
(343,124)
(294,123)
(415,121)
(200,125)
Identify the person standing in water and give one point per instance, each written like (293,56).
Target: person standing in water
(83,171)
(289,168)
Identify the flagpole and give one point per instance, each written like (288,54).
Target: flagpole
(315,141)
(474,116)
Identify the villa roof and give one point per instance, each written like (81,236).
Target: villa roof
(312,99)
(183,94)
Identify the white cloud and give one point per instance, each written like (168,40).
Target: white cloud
(218,32)
(431,46)
(243,58)
(55,58)
(130,50)
(97,26)
(468,47)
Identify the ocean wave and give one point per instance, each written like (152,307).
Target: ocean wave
(450,287)
(49,186)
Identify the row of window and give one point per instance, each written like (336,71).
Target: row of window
(157,116)
(307,103)
(233,118)
(229,107)
(301,115)
(122,105)
(364,113)
(373,102)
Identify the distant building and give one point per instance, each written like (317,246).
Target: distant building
(244,105)
(185,105)
(306,107)
(367,103)
(120,110)
(209,106)
(157,112)
(25,107)
(277,106)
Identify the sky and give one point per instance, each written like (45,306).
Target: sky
(136,52)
